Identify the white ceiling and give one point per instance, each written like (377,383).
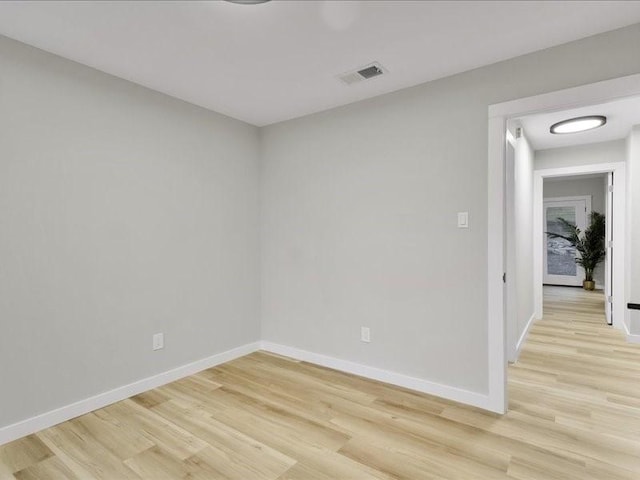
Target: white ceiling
(279,60)
(621,116)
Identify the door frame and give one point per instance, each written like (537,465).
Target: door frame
(618,223)
(498,115)
(579,198)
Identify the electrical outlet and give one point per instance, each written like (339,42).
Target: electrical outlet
(365,334)
(158,341)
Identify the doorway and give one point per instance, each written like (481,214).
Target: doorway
(610,275)
(559,254)
(499,117)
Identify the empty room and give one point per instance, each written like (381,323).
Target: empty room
(319,240)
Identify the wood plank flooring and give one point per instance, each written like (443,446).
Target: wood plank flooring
(574,413)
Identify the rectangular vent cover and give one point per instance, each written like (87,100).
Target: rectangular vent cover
(370,72)
(365,73)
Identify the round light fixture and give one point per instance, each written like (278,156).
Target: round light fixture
(247,2)
(578,124)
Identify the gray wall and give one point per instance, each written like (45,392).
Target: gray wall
(595,187)
(123,213)
(359,215)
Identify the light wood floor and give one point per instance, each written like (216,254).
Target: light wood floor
(574,415)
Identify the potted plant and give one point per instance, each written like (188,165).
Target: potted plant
(590,245)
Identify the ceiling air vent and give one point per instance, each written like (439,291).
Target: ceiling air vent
(365,73)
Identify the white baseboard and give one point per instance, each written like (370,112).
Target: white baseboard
(631,337)
(59,415)
(523,337)
(424,386)
(62,414)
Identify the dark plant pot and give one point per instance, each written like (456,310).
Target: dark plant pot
(589,285)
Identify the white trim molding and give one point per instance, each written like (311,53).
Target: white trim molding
(496,267)
(81,407)
(424,386)
(631,337)
(523,337)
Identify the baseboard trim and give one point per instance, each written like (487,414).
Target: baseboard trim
(524,335)
(631,337)
(82,407)
(62,414)
(424,386)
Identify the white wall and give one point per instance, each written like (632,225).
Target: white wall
(594,187)
(633,227)
(589,154)
(359,215)
(520,261)
(524,231)
(123,213)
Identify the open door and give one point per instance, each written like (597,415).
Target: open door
(511,313)
(608,261)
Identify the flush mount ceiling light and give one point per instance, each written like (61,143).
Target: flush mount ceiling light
(578,124)
(248,2)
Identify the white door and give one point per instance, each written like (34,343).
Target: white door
(560,267)
(608,261)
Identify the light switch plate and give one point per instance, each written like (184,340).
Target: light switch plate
(463,219)
(365,334)
(158,341)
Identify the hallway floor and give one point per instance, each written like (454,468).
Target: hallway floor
(578,381)
(574,415)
